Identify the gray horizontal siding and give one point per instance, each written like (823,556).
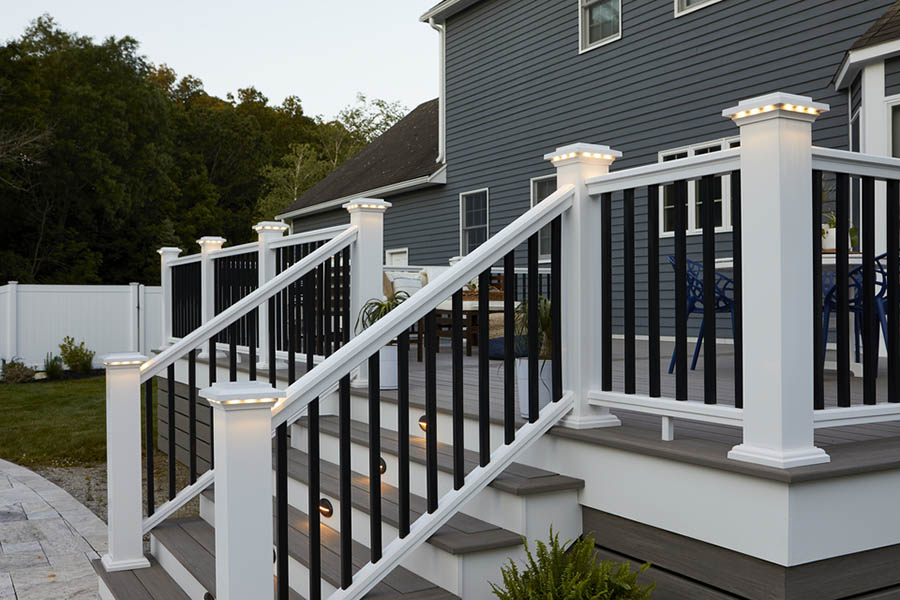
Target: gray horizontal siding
(319,220)
(182,425)
(892,76)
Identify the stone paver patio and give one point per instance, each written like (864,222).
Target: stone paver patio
(47,540)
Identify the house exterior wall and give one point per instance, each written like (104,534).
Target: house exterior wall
(892,76)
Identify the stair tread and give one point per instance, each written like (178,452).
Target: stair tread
(517,478)
(188,539)
(151,583)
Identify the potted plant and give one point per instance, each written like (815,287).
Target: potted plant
(829,232)
(371,312)
(545,354)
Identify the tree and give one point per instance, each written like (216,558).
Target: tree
(356,126)
(297,172)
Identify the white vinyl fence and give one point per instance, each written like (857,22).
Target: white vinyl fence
(34,319)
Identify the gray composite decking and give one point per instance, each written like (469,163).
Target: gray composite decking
(152,583)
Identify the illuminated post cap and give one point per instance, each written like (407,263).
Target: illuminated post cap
(582,152)
(778,104)
(367,204)
(211,240)
(124,359)
(270,226)
(242,394)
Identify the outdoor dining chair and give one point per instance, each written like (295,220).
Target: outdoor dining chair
(724,303)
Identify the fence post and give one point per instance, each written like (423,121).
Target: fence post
(242,425)
(123,462)
(134,314)
(582,288)
(266,232)
(12,320)
(166,255)
(776,218)
(366,262)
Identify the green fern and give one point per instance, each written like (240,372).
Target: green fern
(573,574)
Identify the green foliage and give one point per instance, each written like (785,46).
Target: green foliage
(53,366)
(15,371)
(545,326)
(573,574)
(375,309)
(76,356)
(297,171)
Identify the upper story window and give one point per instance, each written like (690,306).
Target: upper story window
(686,6)
(541,188)
(601,22)
(473,220)
(721,192)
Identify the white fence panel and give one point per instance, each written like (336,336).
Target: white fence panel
(4,307)
(106,317)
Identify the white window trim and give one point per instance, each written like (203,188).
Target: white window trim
(582,45)
(889,103)
(394,251)
(462,216)
(692,226)
(531,182)
(680,12)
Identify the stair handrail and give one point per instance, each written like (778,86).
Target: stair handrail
(239,309)
(329,372)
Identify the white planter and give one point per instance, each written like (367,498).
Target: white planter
(829,242)
(545,384)
(387,363)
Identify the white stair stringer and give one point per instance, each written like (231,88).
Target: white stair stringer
(449,504)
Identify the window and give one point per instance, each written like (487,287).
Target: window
(683,7)
(600,22)
(541,188)
(895,131)
(473,214)
(721,192)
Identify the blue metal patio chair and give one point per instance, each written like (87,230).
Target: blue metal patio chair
(724,303)
(855,295)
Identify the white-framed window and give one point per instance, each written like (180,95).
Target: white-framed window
(599,22)
(541,188)
(683,7)
(474,217)
(396,257)
(721,192)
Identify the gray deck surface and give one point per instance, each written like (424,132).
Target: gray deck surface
(141,584)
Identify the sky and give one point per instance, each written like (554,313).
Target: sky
(323,52)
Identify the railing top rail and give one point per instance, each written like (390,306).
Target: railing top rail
(330,371)
(855,163)
(184,260)
(196,338)
(235,250)
(304,237)
(692,167)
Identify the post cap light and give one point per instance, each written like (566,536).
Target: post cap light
(124,359)
(778,104)
(325,507)
(169,252)
(423,422)
(211,239)
(368,204)
(270,226)
(243,394)
(583,152)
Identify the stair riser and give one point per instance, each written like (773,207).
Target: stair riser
(103,591)
(529,515)
(193,588)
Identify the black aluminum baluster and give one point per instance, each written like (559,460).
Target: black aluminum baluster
(336,301)
(534,346)
(709,290)
(484,383)
(403,430)
(818,337)
(212,379)
(459,472)
(374,458)
(870,334)
(150,443)
(170,381)
(606,292)
(320,308)
(292,333)
(326,308)
(345,298)
(653,290)
(252,323)
(509,347)
(842,279)
(738,278)
(192,414)
(271,350)
(628,242)
(281,514)
(893,289)
(681,389)
(556,305)
(346,485)
(431,342)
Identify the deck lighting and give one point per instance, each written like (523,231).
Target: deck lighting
(270,226)
(325,507)
(775,102)
(423,423)
(382,466)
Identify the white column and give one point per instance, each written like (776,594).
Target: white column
(242,425)
(12,321)
(581,286)
(134,290)
(123,462)
(366,262)
(165,281)
(776,187)
(143,337)
(267,232)
(208,245)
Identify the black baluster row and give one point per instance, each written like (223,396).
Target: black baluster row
(185,298)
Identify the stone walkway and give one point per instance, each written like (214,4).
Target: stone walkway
(47,539)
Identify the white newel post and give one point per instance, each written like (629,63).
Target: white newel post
(776,192)
(266,232)
(366,262)
(208,245)
(166,255)
(12,320)
(242,425)
(581,286)
(123,462)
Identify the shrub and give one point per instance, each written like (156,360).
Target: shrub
(15,371)
(77,357)
(573,574)
(53,366)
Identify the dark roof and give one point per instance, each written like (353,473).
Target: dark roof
(406,151)
(885,29)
